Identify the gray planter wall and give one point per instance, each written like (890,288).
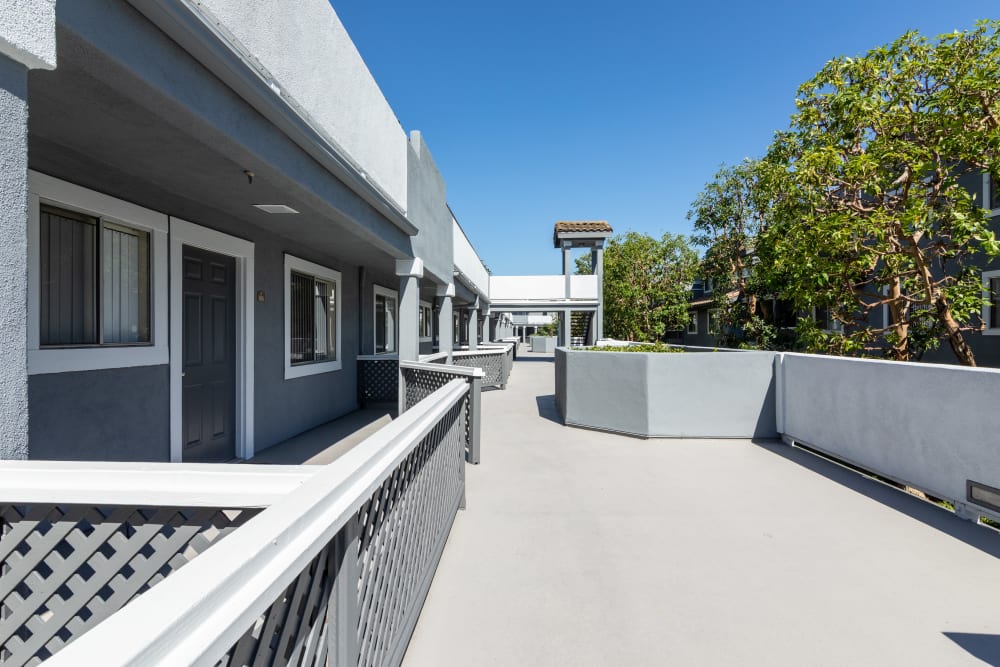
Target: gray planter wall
(889,417)
(688,395)
(543,343)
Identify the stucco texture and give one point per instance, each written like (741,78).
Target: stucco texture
(28,32)
(13,258)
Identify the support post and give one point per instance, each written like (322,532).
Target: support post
(597,260)
(446,324)
(27,41)
(565,327)
(568,267)
(475,417)
(410,271)
(473,324)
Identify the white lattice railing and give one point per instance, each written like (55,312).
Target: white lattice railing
(334,571)
(80,540)
(496,363)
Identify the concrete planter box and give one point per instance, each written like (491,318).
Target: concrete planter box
(543,343)
(688,395)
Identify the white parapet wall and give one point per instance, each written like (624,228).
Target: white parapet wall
(930,426)
(468,263)
(521,289)
(305,48)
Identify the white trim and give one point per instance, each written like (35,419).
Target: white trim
(185,233)
(693,321)
(986,275)
(986,195)
(391,294)
(148,484)
(43,189)
(293,263)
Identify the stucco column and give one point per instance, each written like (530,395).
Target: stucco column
(565,327)
(567,267)
(597,260)
(473,324)
(410,271)
(446,324)
(27,41)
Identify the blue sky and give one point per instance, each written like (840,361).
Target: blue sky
(543,111)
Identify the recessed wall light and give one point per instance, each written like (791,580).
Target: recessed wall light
(275,208)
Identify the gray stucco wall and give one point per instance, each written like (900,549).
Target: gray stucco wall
(118,414)
(869,412)
(428,210)
(13,259)
(685,395)
(27,32)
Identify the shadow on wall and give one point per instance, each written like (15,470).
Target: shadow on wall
(547,408)
(984,647)
(984,539)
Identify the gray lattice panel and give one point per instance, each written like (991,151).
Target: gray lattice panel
(419,383)
(378,380)
(402,529)
(300,627)
(492,365)
(68,567)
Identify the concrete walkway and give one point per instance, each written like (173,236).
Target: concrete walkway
(327,442)
(586,548)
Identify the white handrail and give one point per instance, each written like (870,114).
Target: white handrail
(148,484)
(466,371)
(195,615)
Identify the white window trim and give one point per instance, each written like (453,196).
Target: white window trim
(693,321)
(986,275)
(293,263)
(393,294)
(427,305)
(837,325)
(186,233)
(986,195)
(708,324)
(43,189)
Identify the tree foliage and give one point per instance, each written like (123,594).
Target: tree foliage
(728,216)
(646,285)
(871,208)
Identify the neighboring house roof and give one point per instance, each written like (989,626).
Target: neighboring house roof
(598,227)
(707,301)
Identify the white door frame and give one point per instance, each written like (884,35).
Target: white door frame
(184,233)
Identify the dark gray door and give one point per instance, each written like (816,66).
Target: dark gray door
(209,351)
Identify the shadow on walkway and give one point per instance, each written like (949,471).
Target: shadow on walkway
(984,647)
(329,441)
(549,358)
(547,408)
(980,537)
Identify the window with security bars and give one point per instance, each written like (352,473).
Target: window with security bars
(94,281)
(313,323)
(426,321)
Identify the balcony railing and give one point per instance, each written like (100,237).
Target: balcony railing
(335,569)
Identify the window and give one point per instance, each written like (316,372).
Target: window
(93,281)
(693,323)
(713,322)
(992,193)
(386,301)
(709,285)
(97,280)
(825,320)
(426,321)
(312,318)
(991,307)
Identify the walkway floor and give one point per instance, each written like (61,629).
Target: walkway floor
(586,548)
(329,441)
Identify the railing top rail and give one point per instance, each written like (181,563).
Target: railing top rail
(201,610)
(479,352)
(149,484)
(431,357)
(467,371)
(377,357)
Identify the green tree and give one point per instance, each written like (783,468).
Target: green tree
(646,285)
(872,210)
(728,216)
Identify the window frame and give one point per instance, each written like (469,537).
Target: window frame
(377,291)
(718,328)
(428,310)
(692,327)
(987,194)
(326,274)
(51,191)
(985,277)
